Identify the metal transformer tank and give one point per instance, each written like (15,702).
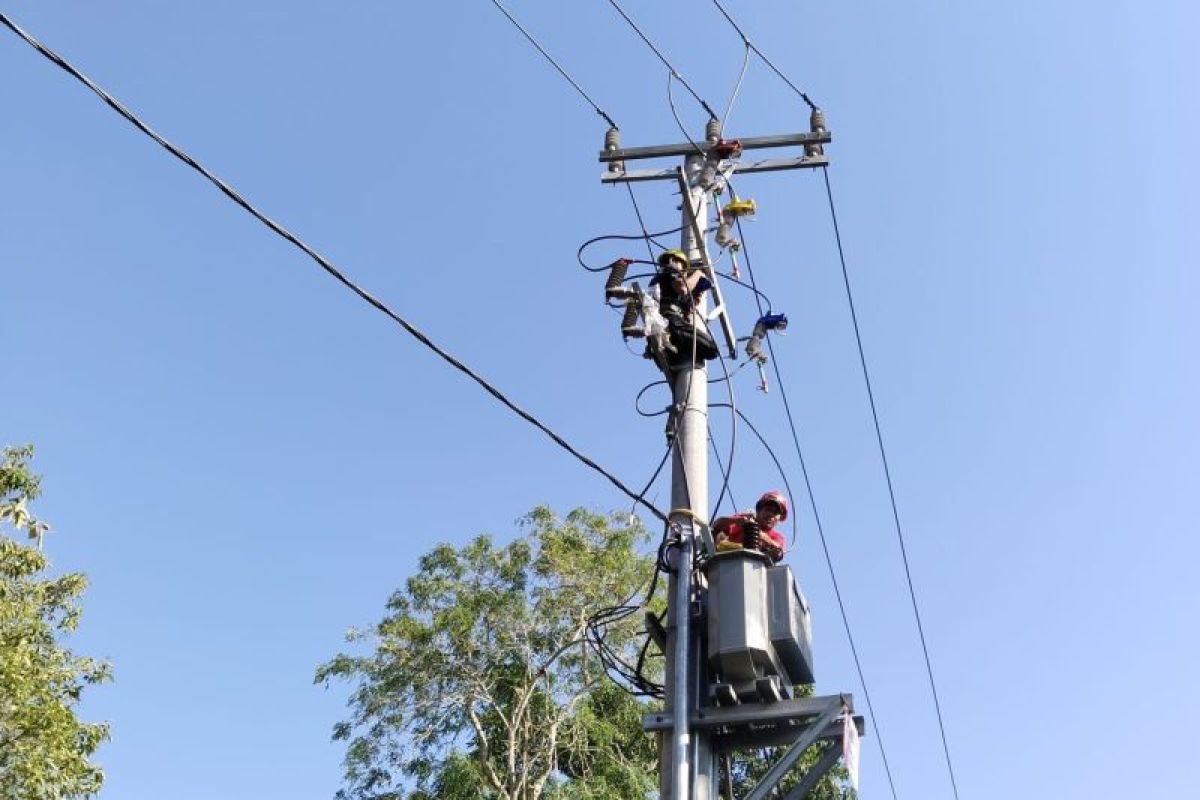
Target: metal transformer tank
(788,624)
(759,641)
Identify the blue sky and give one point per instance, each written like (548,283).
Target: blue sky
(246,459)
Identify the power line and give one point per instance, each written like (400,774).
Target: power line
(750,45)
(737,87)
(555,64)
(837,592)
(326,265)
(888,476)
(674,72)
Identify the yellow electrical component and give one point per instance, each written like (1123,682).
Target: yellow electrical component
(740,208)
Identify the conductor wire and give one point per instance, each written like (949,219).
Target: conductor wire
(812,499)
(662,58)
(751,46)
(736,88)
(325,264)
(554,63)
(912,594)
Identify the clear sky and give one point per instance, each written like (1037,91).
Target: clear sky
(246,459)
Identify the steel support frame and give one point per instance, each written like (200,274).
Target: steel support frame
(784,765)
(833,752)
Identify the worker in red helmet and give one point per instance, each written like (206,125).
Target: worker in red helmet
(755,531)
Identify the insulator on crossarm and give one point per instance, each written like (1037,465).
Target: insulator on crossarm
(712,130)
(816,124)
(612,142)
(613,290)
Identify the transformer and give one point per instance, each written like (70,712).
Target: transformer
(759,636)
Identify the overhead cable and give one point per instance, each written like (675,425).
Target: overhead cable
(837,592)
(912,594)
(674,72)
(554,63)
(326,265)
(737,87)
(749,44)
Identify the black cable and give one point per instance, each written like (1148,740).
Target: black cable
(732,441)
(679,122)
(641,223)
(623,238)
(646,388)
(787,485)
(662,58)
(325,264)
(751,46)
(556,65)
(752,288)
(888,476)
(725,474)
(837,592)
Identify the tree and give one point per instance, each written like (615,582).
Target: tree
(480,683)
(45,749)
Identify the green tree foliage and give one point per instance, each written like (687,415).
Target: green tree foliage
(45,749)
(480,685)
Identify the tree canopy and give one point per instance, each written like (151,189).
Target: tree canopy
(480,682)
(45,749)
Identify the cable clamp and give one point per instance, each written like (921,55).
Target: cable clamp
(710,546)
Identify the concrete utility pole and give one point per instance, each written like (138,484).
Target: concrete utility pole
(687,755)
(690,753)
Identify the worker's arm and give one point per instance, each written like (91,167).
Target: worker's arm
(772,545)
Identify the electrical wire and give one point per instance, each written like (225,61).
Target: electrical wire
(326,265)
(675,113)
(771,452)
(726,471)
(555,64)
(888,476)
(642,224)
(751,46)
(619,237)
(646,388)
(754,289)
(837,592)
(725,475)
(662,58)
(736,88)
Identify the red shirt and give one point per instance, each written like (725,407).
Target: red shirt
(732,528)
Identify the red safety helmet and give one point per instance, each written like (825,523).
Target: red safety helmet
(776,497)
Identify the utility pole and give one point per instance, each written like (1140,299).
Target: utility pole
(688,745)
(690,753)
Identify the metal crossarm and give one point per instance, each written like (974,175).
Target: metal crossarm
(690,148)
(769,165)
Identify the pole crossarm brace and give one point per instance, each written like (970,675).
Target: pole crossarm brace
(769,165)
(690,148)
(720,310)
(780,768)
(833,752)
(718,716)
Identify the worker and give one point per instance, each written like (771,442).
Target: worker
(679,287)
(755,531)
